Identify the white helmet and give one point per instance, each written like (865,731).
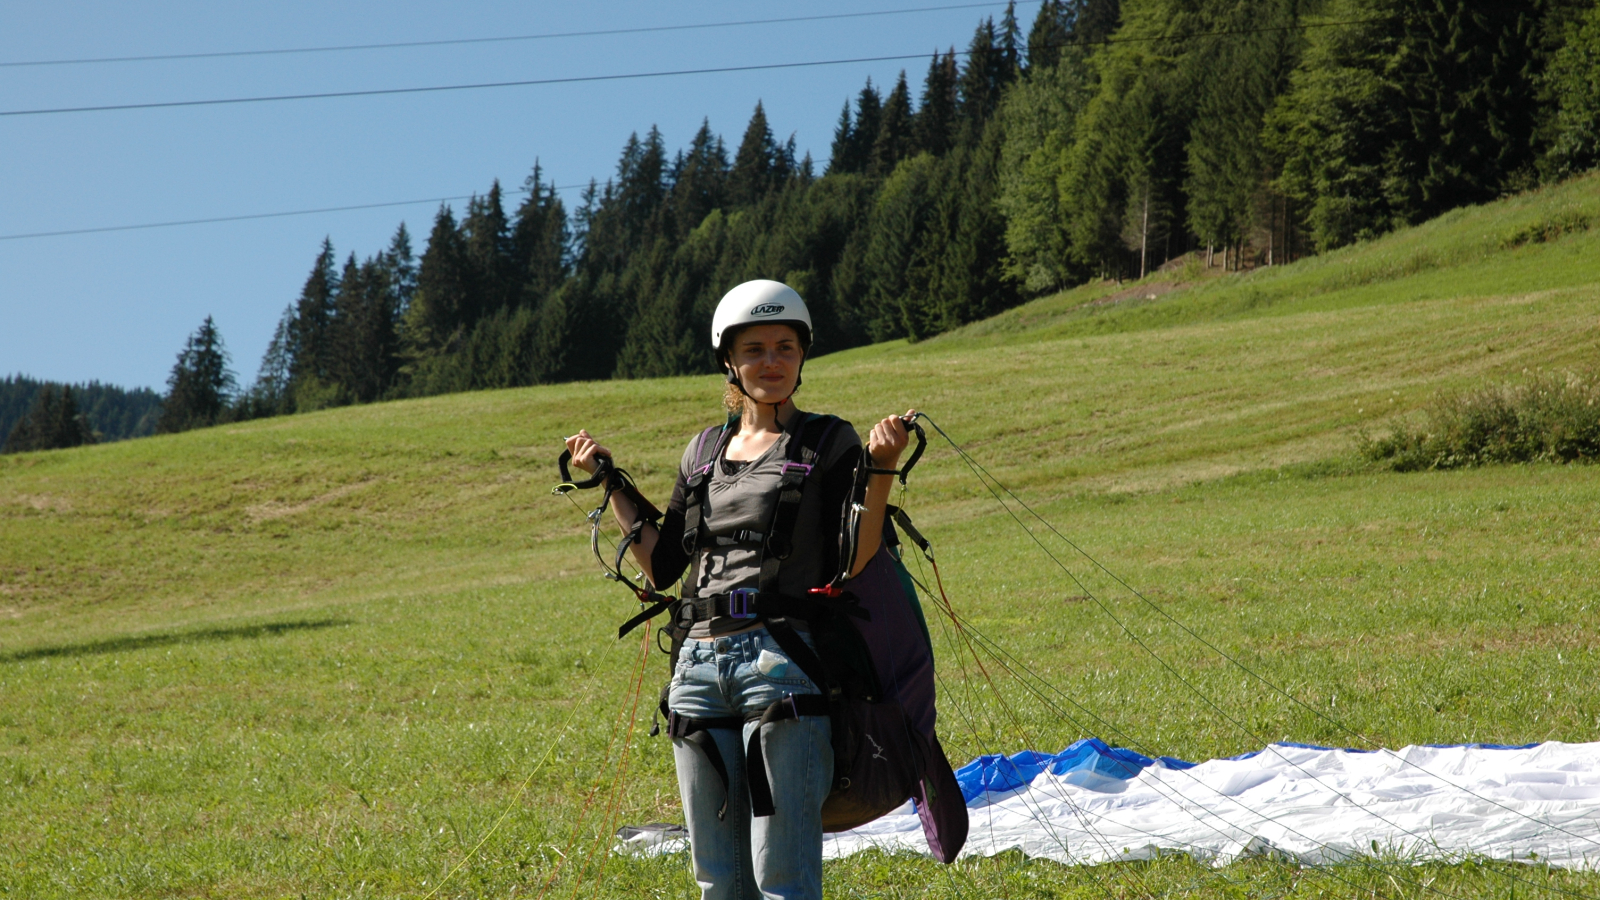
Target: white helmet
(761,302)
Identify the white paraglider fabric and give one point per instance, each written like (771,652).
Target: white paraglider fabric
(1092,803)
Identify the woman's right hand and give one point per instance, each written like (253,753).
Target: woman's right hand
(584,449)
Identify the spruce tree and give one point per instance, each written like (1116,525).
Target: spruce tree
(1094,21)
(71,428)
(895,140)
(201,385)
(1011,42)
(1464,74)
(699,180)
(936,114)
(1228,165)
(402,269)
(270,394)
(486,236)
(436,315)
(1048,38)
(539,241)
(313,321)
(869,120)
(841,155)
(757,166)
(32,428)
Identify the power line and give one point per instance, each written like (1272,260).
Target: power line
(271,215)
(282,51)
(579,79)
(331,209)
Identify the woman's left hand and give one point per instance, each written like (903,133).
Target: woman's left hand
(888,440)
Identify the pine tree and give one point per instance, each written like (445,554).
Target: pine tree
(1011,42)
(895,140)
(313,320)
(201,385)
(936,114)
(1464,74)
(869,121)
(31,430)
(486,235)
(71,428)
(437,312)
(270,394)
(402,269)
(699,180)
(366,327)
(841,156)
(900,217)
(987,72)
(758,166)
(1093,21)
(539,241)
(1228,165)
(1048,37)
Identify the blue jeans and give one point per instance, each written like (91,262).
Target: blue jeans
(741,857)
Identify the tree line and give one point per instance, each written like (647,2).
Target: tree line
(1102,141)
(45,415)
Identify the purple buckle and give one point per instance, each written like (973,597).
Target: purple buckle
(805,467)
(705,469)
(739,602)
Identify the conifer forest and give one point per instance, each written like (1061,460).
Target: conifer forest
(1094,140)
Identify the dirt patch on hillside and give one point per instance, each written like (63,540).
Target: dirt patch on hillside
(1137,292)
(275,509)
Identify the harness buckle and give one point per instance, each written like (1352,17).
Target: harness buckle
(739,603)
(805,468)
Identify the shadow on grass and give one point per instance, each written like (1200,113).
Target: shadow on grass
(142,642)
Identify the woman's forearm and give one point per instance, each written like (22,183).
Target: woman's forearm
(871,534)
(627,513)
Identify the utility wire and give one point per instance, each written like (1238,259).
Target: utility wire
(582,79)
(398,45)
(330,209)
(271,215)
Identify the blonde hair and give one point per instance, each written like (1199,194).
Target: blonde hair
(733,399)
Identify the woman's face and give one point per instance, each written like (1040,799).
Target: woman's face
(767,358)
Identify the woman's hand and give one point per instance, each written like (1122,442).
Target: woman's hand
(888,440)
(584,449)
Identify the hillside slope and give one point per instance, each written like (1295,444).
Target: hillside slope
(287,654)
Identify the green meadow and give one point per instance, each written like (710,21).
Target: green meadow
(366,653)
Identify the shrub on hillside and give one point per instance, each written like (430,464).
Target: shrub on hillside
(1546,419)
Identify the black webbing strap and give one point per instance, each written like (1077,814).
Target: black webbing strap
(904,521)
(801,462)
(694,495)
(614,479)
(792,706)
(698,733)
(743,604)
(661,604)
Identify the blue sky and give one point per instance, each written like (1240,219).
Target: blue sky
(117,306)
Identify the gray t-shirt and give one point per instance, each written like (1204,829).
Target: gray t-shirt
(743,501)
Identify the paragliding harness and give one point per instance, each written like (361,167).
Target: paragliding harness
(873,659)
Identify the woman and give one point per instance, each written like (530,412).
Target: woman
(731,668)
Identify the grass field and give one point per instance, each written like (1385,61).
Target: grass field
(320,656)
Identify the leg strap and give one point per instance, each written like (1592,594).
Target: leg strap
(698,733)
(755,770)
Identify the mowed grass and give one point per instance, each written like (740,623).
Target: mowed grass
(322,656)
